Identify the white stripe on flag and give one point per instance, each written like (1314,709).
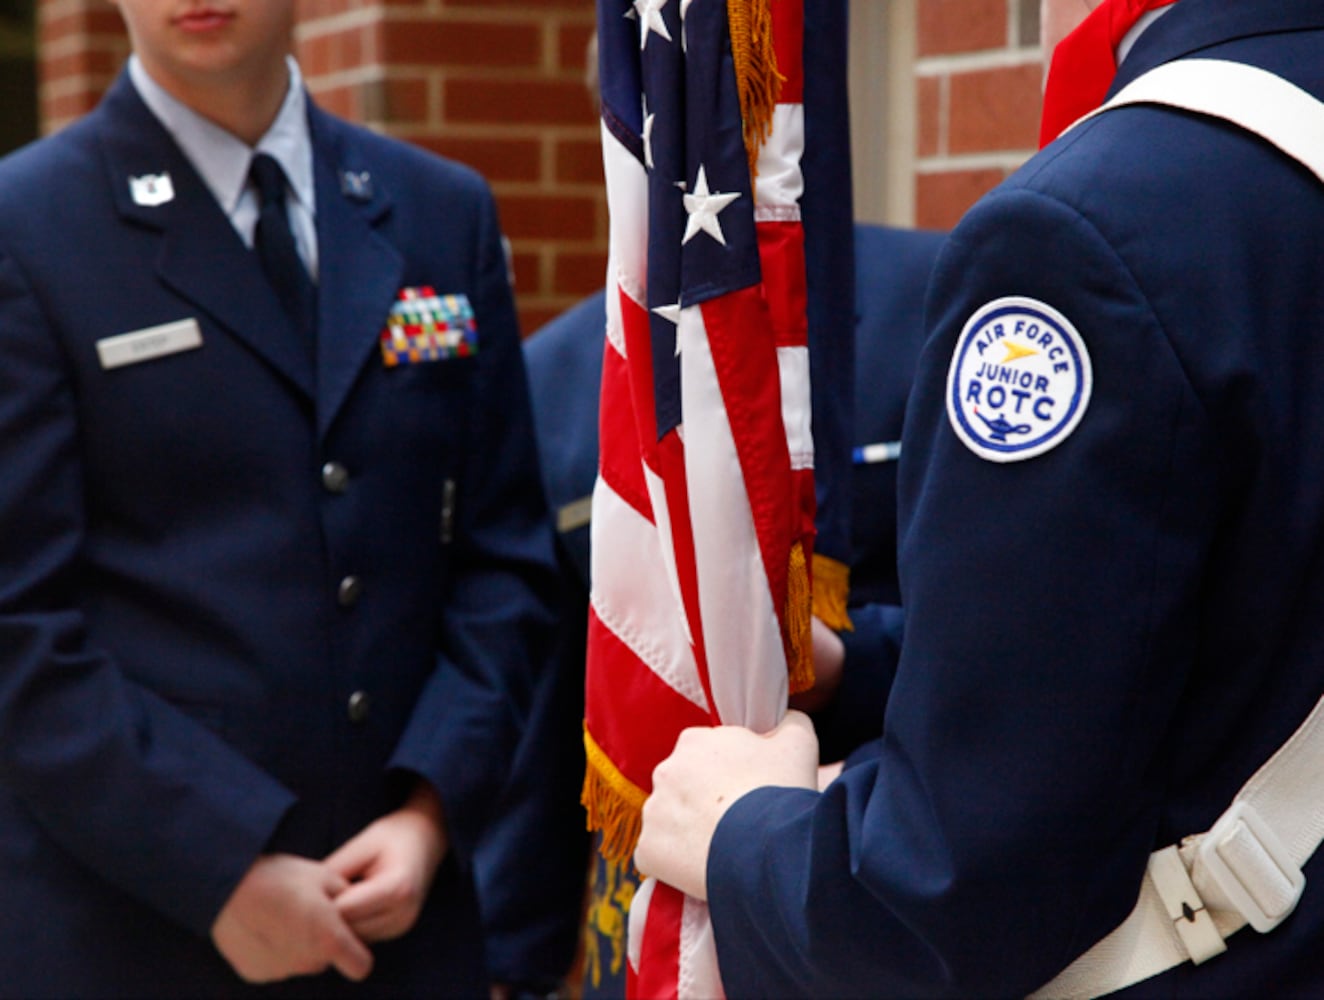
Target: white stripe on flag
(627,194)
(699,975)
(741,633)
(793,362)
(780,182)
(631,595)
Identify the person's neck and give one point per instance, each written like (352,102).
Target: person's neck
(245,107)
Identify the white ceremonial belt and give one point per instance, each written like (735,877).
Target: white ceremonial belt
(1247,868)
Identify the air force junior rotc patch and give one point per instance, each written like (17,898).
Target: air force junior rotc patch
(425,326)
(1019,382)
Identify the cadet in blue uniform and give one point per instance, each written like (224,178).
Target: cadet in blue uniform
(1111,520)
(274,581)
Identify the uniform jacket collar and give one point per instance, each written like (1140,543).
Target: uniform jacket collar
(203,260)
(1193,25)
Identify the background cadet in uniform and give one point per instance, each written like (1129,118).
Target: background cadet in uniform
(1112,615)
(273,585)
(532,864)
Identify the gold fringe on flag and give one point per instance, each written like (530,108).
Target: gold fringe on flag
(799,630)
(831,591)
(615,804)
(757,78)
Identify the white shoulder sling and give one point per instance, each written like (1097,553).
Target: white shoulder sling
(1247,868)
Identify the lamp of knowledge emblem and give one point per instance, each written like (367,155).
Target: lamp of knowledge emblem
(1019,381)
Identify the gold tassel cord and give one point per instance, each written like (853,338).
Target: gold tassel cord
(757,78)
(615,804)
(799,629)
(831,593)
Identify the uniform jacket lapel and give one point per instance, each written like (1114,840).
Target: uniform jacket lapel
(360,269)
(201,257)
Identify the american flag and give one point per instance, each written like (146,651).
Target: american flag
(703,513)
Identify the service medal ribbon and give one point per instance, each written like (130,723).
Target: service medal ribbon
(424,326)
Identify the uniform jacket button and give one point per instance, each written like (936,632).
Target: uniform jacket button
(349,591)
(335,477)
(357,707)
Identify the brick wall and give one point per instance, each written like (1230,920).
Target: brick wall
(978,95)
(81,44)
(497,84)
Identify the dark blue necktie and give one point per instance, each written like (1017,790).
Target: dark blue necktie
(274,242)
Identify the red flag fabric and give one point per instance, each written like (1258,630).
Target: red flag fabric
(702,523)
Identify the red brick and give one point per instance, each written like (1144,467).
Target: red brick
(309,11)
(345,101)
(99,19)
(83,62)
(579,161)
(533,317)
(574,6)
(528,272)
(401,101)
(550,217)
(572,46)
(928,100)
(942,198)
(316,55)
(496,159)
(461,43)
(506,101)
(996,109)
(580,273)
(59,111)
(948,26)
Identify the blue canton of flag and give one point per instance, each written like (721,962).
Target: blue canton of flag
(670,97)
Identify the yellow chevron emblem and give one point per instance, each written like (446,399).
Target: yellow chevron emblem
(1016,351)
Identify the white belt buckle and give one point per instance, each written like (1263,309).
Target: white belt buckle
(1190,919)
(1251,867)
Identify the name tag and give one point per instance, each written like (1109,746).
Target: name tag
(574,515)
(151,342)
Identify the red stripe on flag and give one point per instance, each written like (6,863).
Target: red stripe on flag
(788,42)
(659,956)
(635,739)
(618,447)
(671,466)
(639,355)
(747,373)
(782,259)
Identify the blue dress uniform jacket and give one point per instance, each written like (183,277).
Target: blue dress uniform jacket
(245,597)
(1105,641)
(892,270)
(532,864)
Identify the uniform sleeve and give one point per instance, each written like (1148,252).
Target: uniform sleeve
(144,797)
(496,617)
(855,715)
(1050,622)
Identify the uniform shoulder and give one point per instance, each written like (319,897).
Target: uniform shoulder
(41,178)
(576,333)
(51,159)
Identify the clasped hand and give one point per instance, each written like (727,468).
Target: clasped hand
(706,773)
(292,916)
